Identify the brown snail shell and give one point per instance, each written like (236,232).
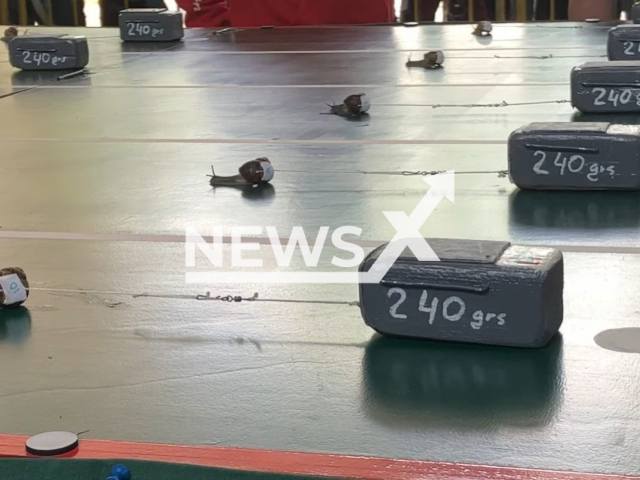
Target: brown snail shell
(483,28)
(254,172)
(434,59)
(353,105)
(9,34)
(23,278)
(357,104)
(257,171)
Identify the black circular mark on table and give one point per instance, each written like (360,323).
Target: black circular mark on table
(625,340)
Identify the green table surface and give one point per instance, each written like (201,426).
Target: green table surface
(100,175)
(140,470)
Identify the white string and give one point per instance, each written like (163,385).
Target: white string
(405,173)
(199,297)
(544,57)
(504,103)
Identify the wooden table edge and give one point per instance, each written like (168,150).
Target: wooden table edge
(298,463)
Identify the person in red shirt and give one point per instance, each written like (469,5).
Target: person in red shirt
(282,13)
(580,10)
(205,13)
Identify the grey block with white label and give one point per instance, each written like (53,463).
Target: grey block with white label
(606,87)
(150,25)
(575,156)
(37,52)
(624,42)
(491,293)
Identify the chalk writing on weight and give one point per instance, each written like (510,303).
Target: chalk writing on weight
(565,164)
(631,48)
(42,58)
(615,96)
(141,29)
(452,309)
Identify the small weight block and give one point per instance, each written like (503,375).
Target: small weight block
(575,156)
(635,12)
(606,87)
(491,293)
(150,25)
(36,52)
(624,43)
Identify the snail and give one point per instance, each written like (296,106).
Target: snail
(4,272)
(9,34)
(352,106)
(253,173)
(483,29)
(431,60)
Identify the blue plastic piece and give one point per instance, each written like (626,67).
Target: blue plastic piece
(120,472)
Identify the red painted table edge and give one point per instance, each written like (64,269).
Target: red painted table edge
(298,463)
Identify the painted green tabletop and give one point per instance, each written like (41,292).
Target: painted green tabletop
(140,470)
(99,176)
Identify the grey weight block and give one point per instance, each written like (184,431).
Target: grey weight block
(150,25)
(491,293)
(575,156)
(36,52)
(606,87)
(624,43)
(635,12)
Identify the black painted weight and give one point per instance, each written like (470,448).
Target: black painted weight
(575,156)
(35,52)
(150,25)
(606,87)
(491,293)
(624,43)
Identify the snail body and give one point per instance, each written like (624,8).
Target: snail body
(352,106)
(483,29)
(431,60)
(252,173)
(4,272)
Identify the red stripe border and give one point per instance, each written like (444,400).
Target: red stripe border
(315,464)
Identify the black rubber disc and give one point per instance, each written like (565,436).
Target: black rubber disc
(52,443)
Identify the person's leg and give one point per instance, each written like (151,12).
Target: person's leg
(406,11)
(109,11)
(68,13)
(562,9)
(580,10)
(18,9)
(427,10)
(480,10)
(541,10)
(486,10)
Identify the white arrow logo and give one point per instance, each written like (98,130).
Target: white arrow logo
(407,236)
(408,229)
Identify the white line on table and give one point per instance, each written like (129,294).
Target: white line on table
(390,50)
(235,85)
(258,141)
(171,238)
